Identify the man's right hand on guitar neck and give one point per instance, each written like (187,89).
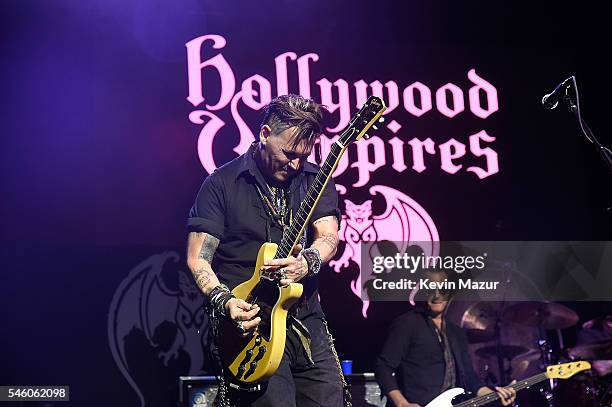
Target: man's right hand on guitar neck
(244,315)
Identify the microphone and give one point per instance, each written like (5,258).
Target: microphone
(551,100)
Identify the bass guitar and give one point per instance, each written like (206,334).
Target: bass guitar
(562,371)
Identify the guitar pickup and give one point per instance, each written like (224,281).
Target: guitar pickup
(260,354)
(248,355)
(253,364)
(240,372)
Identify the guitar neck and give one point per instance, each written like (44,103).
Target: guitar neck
(488,398)
(300,219)
(363,120)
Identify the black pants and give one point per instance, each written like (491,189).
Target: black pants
(297,382)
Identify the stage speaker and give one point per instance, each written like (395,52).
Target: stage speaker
(197,391)
(200,391)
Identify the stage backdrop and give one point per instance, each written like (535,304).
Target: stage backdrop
(114,112)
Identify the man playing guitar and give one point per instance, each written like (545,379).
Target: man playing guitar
(247,202)
(428,355)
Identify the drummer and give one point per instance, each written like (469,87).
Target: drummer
(597,331)
(425,355)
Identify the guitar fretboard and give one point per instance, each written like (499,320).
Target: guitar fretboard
(300,219)
(488,398)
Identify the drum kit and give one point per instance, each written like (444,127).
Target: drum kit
(512,341)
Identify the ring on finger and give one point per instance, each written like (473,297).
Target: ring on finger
(240,326)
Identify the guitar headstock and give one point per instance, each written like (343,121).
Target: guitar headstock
(566,370)
(365,118)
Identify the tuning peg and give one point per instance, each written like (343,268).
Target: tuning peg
(366,136)
(374,127)
(381,120)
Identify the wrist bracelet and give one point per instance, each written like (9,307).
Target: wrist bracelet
(219,297)
(225,300)
(313,258)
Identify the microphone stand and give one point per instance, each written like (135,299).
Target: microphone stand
(574,107)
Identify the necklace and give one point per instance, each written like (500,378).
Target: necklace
(275,201)
(277,208)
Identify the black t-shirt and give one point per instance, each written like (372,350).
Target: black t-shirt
(229,208)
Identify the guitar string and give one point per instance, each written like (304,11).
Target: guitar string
(343,140)
(494,396)
(302,213)
(318,185)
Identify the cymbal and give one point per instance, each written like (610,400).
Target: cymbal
(479,335)
(506,351)
(525,362)
(548,315)
(481,315)
(592,351)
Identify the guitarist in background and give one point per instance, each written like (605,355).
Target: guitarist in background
(428,356)
(247,202)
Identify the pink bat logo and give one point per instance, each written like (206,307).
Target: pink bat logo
(403,220)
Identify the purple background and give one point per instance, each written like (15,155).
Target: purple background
(99,161)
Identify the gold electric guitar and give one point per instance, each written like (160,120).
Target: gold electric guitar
(562,371)
(257,357)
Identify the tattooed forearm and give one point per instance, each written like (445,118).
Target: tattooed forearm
(203,277)
(209,245)
(326,243)
(326,237)
(330,239)
(200,251)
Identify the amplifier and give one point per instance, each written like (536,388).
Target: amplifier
(197,391)
(200,391)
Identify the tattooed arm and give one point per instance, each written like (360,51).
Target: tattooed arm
(326,237)
(200,250)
